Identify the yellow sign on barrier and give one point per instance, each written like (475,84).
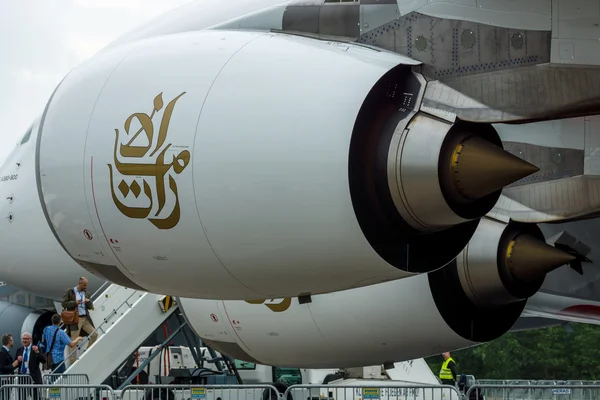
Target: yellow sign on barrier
(371,393)
(198,393)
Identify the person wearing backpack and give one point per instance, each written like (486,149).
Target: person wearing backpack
(55,340)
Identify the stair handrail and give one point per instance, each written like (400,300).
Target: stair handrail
(95,295)
(100,290)
(106,319)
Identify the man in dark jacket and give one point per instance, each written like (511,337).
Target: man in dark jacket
(32,359)
(79,299)
(7,364)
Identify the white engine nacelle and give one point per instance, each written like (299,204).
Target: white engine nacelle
(246,165)
(392,321)
(387,322)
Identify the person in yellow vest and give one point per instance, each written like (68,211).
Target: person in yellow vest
(448,370)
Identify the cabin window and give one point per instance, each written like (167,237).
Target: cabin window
(289,376)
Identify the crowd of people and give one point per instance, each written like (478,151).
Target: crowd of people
(49,353)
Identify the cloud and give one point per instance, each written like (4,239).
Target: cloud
(85,47)
(41,41)
(37,77)
(114,4)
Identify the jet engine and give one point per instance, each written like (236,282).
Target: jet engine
(475,299)
(245,165)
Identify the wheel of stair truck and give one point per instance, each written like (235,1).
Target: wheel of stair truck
(159,394)
(281,387)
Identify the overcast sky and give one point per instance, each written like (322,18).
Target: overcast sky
(42,40)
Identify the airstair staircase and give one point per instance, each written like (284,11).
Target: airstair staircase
(123,318)
(413,372)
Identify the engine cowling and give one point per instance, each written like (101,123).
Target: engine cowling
(245,165)
(393,321)
(387,322)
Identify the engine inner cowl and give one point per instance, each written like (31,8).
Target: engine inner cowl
(506,263)
(442,174)
(482,293)
(421,182)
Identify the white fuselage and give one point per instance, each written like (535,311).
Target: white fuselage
(32,258)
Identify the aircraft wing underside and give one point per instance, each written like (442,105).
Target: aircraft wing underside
(545,309)
(566,294)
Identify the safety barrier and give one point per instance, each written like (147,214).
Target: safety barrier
(391,392)
(16,379)
(57,392)
(203,392)
(26,391)
(505,382)
(66,379)
(534,382)
(535,392)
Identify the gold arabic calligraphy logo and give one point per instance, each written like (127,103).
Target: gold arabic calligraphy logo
(282,306)
(157,170)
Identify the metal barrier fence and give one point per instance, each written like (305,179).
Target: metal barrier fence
(15,379)
(534,392)
(65,379)
(391,392)
(21,389)
(56,392)
(533,382)
(203,392)
(505,382)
